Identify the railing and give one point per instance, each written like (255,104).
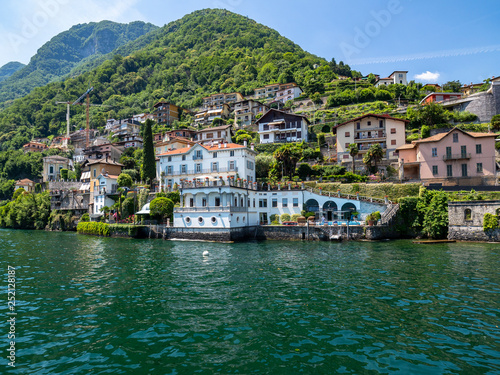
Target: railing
(200,171)
(463,155)
(389,214)
(211,209)
(348,196)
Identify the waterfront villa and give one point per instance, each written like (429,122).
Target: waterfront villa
(205,162)
(106,185)
(456,157)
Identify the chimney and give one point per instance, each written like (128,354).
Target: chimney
(219,145)
(245,143)
(252,146)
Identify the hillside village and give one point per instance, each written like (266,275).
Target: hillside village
(281,153)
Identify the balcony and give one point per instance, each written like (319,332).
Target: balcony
(461,156)
(210,209)
(201,172)
(197,157)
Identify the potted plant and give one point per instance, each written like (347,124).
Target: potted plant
(370,220)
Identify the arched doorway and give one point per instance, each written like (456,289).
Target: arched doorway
(347,210)
(312,205)
(330,208)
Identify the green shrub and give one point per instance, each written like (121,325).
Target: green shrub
(161,208)
(285,217)
(490,222)
(93,228)
(85,217)
(295,217)
(273,217)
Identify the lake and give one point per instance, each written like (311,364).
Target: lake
(88,305)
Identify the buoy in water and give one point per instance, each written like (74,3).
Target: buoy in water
(205,253)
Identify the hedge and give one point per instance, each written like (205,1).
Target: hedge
(93,228)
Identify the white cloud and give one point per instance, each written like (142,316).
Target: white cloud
(427,76)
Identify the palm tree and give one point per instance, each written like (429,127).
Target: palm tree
(353,151)
(374,154)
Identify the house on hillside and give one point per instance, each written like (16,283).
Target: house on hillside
(207,115)
(52,166)
(34,147)
(287,94)
(245,111)
(455,158)
(437,97)
(271,91)
(166,113)
(216,101)
(278,126)
(107,151)
(26,184)
(396,77)
(209,136)
(205,162)
(172,143)
(367,130)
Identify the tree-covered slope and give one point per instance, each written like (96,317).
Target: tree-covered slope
(67,50)
(205,52)
(10,68)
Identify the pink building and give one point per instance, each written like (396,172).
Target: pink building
(453,158)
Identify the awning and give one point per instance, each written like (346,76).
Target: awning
(85,175)
(85,186)
(144,210)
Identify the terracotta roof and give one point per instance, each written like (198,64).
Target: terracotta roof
(438,137)
(216,128)
(406,147)
(24,181)
(56,157)
(228,146)
(372,115)
(104,161)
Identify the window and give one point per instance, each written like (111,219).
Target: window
(448,152)
(169,169)
(275,202)
(215,155)
(347,145)
(463,151)
(210,135)
(393,142)
(197,168)
(435,170)
(393,130)
(169,158)
(231,153)
(250,164)
(449,171)
(347,134)
(284,202)
(198,155)
(479,167)
(183,168)
(262,203)
(215,167)
(346,156)
(369,123)
(464,170)
(231,165)
(455,137)
(468,214)
(479,149)
(266,136)
(183,157)
(295,202)
(434,151)
(299,134)
(204,202)
(51,170)
(217,201)
(358,125)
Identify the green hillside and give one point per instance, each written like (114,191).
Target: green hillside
(205,52)
(10,68)
(68,50)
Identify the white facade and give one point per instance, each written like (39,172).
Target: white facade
(235,204)
(397,77)
(277,126)
(210,135)
(204,161)
(107,184)
(288,94)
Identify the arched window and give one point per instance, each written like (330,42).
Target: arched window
(468,214)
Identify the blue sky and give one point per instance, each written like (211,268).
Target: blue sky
(436,41)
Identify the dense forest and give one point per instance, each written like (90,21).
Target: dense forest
(68,50)
(10,68)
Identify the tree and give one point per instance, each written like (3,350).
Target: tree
(124,180)
(452,86)
(432,213)
(287,157)
(495,122)
(161,208)
(263,163)
(353,151)
(425,131)
(148,171)
(374,154)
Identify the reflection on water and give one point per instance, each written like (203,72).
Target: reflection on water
(93,305)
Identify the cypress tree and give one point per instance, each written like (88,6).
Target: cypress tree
(148,170)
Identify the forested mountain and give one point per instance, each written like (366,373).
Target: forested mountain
(205,52)
(68,50)
(10,68)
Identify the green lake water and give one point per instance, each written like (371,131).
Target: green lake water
(88,305)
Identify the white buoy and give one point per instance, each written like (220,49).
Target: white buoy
(205,253)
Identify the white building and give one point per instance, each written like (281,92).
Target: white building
(107,185)
(217,134)
(205,162)
(278,126)
(396,77)
(287,94)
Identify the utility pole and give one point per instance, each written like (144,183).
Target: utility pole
(87,94)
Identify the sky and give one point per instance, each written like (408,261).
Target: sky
(435,41)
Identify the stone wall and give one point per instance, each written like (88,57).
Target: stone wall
(470,228)
(64,185)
